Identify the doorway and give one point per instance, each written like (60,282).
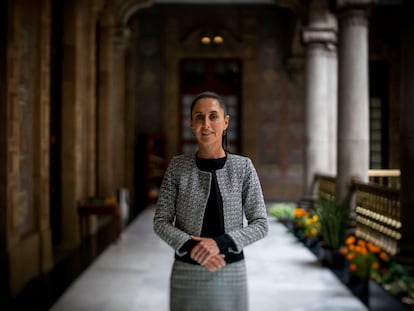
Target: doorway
(222,76)
(378,113)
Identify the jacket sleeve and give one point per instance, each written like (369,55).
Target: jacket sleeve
(254,210)
(165,212)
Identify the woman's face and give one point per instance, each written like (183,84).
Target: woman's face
(208,122)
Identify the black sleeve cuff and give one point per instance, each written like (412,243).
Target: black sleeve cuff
(224,243)
(188,246)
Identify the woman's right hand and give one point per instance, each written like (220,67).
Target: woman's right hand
(207,254)
(215,263)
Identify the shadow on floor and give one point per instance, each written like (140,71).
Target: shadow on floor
(41,293)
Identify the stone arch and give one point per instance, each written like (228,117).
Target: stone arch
(124,9)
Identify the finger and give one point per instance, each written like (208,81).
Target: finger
(209,246)
(198,250)
(219,261)
(201,252)
(215,263)
(202,256)
(212,266)
(197,253)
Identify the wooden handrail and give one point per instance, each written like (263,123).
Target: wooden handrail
(385,177)
(384,173)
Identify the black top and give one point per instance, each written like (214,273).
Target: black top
(213,222)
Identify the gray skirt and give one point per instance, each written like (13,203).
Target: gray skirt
(194,288)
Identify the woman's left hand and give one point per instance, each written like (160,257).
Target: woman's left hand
(204,250)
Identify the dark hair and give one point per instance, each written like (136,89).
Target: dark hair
(213,95)
(209,94)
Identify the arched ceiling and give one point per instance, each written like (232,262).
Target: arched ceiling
(124,9)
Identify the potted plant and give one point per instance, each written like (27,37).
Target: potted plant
(309,226)
(282,212)
(365,260)
(300,215)
(334,219)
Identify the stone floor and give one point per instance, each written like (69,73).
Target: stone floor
(133,274)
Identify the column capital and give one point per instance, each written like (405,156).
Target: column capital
(353,17)
(354,4)
(322,25)
(318,35)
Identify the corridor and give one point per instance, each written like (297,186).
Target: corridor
(133,274)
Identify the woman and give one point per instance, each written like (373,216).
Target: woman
(202,202)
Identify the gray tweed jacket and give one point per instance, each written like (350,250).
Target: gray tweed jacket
(183,198)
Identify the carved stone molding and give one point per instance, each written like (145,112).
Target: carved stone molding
(325,36)
(121,38)
(297,6)
(354,17)
(124,9)
(354,4)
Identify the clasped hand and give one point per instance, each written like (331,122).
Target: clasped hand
(207,254)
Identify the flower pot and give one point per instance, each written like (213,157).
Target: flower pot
(359,287)
(330,257)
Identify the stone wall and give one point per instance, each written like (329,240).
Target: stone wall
(26,171)
(272,99)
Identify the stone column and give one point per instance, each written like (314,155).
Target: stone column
(42,139)
(320,114)
(130,113)
(353,102)
(407,137)
(121,42)
(332,109)
(105,107)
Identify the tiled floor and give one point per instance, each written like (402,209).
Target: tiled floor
(133,274)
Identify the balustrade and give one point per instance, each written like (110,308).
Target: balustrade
(385,177)
(376,211)
(326,186)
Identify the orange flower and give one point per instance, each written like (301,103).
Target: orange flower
(373,248)
(365,258)
(383,256)
(361,243)
(352,267)
(350,256)
(350,240)
(343,250)
(300,212)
